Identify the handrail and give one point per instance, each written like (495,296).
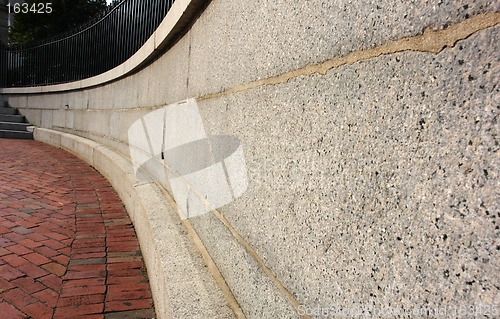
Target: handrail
(90,50)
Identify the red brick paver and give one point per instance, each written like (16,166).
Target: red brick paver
(67,246)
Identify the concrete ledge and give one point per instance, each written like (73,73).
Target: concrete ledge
(181,284)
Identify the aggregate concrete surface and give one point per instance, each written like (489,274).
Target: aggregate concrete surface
(67,246)
(272,37)
(372,184)
(375,184)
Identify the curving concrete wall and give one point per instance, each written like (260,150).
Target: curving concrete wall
(369,131)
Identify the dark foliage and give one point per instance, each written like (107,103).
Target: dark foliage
(66,14)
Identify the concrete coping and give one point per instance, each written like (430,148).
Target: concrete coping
(177,17)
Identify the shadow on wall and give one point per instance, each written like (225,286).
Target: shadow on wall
(170,146)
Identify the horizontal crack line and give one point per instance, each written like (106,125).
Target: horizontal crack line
(430,41)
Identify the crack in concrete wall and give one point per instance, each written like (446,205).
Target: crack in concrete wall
(431,41)
(284,291)
(212,267)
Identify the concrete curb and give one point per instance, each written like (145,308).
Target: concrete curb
(181,285)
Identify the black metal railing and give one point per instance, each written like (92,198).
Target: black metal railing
(92,49)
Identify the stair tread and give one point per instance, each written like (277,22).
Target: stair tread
(3,122)
(15,131)
(13,125)
(16,135)
(12,118)
(4,118)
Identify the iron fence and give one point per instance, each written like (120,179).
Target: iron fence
(92,49)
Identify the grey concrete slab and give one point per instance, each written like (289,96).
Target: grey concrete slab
(268,38)
(374,185)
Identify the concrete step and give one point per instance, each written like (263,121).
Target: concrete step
(9,126)
(11,118)
(16,134)
(8,111)
(13,124)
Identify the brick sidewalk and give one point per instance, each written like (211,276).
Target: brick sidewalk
(67,246)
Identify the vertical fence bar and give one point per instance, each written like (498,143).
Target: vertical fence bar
(3,65)
(136,23)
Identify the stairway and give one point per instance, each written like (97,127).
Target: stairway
(13,124)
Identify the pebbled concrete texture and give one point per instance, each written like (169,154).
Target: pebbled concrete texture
(373,185)
(272,37)
(256,293)
(376,184)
